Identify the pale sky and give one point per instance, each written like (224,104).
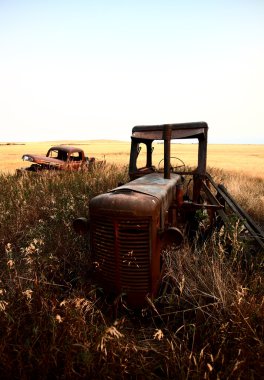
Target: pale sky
(92,69)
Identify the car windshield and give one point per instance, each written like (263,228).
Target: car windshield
(57,153)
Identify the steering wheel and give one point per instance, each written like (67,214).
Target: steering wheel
(174,168)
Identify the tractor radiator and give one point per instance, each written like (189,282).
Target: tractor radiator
(121,250)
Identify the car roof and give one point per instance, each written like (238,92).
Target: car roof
(66,148)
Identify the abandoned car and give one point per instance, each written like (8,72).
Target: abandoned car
(62,157)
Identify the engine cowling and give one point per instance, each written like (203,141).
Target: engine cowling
(127,226)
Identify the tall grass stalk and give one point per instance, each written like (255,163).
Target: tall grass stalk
(55,324)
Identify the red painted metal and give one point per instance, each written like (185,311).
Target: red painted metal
(132,223)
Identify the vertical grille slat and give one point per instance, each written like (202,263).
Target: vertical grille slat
(131,239)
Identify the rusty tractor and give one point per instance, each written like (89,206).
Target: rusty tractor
(131,224)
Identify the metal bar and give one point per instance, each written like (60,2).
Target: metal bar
(246,219)
(248,222)
(213,200)
(167,138)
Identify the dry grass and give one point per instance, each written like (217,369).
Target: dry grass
(244,159)
(212,303)
(116,152)
(247,190)
(207,322)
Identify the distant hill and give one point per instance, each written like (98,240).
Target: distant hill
(10,143)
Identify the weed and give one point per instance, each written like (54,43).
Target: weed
(206,323)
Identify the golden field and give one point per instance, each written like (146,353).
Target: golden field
(248,159)
(57,323)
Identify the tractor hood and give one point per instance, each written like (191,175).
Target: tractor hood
(145,197)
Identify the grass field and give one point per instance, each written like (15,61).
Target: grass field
(248,159)
(55,323)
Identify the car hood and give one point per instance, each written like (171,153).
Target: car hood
(38,159)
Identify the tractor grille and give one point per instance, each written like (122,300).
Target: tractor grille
(122,252)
